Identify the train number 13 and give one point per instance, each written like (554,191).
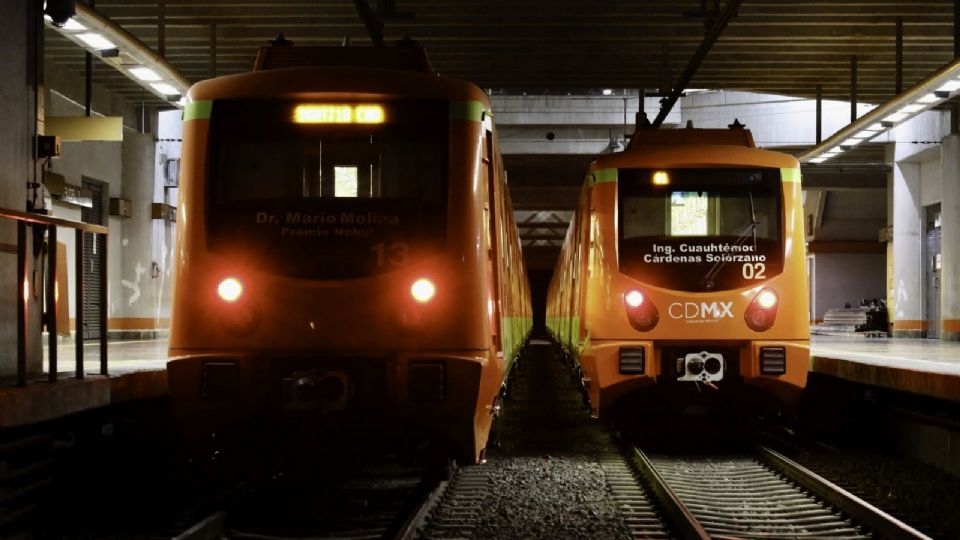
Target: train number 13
(754,270)
(396,254)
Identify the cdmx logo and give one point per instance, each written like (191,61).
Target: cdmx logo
(700,310)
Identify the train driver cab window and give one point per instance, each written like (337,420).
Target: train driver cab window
(361,193)
(345,182)
(700,229)
(688,213)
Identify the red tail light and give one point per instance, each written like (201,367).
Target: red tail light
(641,312)
(762,312)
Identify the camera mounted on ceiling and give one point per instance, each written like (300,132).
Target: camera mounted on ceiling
(60,11)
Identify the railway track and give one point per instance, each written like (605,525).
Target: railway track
(636,507)
(758,495)
(458,506)
(382,501)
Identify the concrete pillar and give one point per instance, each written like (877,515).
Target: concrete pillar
(17,97)
(907,252)
(138,305)
(950,238)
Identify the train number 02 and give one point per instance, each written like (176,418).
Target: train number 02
(397,253)
(754,270)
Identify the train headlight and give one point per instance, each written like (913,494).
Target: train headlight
(423,290)
(767,299)
(634,298)
(641,312)
(230,289)
(762,312)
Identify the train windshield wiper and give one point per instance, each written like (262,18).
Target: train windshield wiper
(709,280)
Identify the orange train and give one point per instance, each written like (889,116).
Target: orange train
(347,259)
(681,284)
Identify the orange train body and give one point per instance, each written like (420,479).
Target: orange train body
(682,276)
(328,219)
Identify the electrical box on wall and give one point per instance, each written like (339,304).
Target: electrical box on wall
(48,146)
(163,211)
(120,207)
(885,234)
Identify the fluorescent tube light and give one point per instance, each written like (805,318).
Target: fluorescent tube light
(71,25)
(144,74)
(929,98)
(165,89)
(949,86)
(895,117)
(912,108)
(96,41)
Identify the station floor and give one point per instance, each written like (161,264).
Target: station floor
(928,367)
(137,370)
(122,356)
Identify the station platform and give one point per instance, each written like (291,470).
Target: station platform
(138,371)
(929,367)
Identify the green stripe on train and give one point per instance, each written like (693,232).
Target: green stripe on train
(197,110)
(790,175)
(467,110)
(602,176)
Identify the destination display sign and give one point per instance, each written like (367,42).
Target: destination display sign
(684,253)
(297,224)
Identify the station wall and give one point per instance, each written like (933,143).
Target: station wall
(135,297)
(18,38)
(845,278)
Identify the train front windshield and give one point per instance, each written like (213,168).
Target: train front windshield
(700,229)
(326,190)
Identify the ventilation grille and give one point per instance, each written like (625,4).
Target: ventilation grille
(773,360)
(427,381)
(219,380)
(632,360)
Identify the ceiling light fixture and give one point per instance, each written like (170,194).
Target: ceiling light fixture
(96,41)
(119,48)
(165,89)
(923,96)
(144,74)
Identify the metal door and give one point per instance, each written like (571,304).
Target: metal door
(932,264)
(92,262)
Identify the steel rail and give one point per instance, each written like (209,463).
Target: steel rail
(863,512)
(685,523)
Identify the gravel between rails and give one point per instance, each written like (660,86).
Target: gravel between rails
(547,479)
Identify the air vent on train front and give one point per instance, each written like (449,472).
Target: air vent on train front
(773,360)
(219,380)
(632,360)
(426,381)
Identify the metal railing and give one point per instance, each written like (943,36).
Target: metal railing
(24,220)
